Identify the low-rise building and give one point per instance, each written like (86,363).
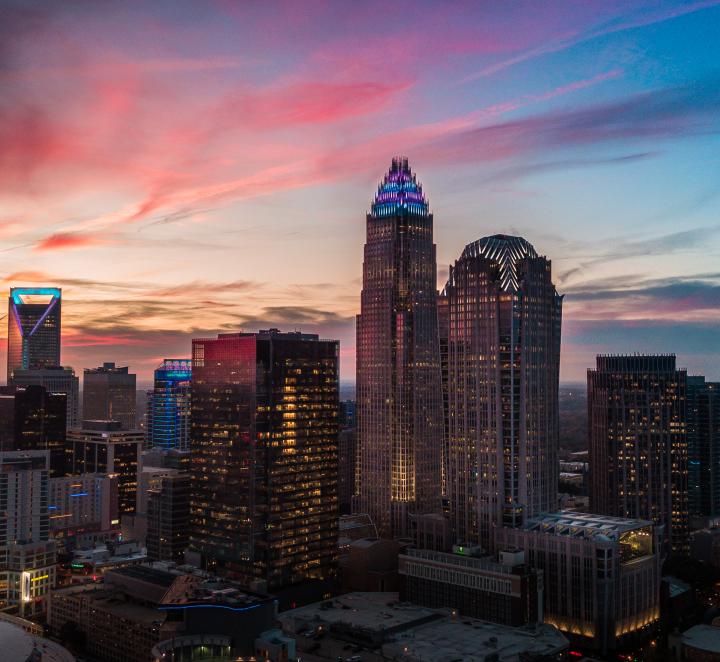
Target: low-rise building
(601,574)
(508,591)
(701,643)
(377,626)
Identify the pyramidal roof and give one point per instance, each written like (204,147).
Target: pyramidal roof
(399,192)
(506,251)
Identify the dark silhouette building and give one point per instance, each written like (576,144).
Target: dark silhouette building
(638,442)
(109,395)
(57,379)
(703,434)
(39,422)
(33,328)
(399,395)
(503,360)
(264,500)
(168,517)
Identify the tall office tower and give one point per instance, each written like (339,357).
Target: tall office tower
(28,555)
(168,415)
(638,442)
(33,328)
(109,394)
(443,331)
(504,317)
(399,395)
(703,434)
(58,380)
(40,424)
(104,447)
(168,517)
(264,495)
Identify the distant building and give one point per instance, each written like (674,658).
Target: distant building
(601,575)
(168,415)
(705,546)
(168,517)
(33,328)
(40,424)
(28,555)
(703,433)
(638,442)
(370,564)
(264,503)
(507,592)
(399,394)
(55,379)
(348,414)
(103,447)
(701,643)
(109,394)
(503,365)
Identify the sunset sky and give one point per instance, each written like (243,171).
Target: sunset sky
(187,168)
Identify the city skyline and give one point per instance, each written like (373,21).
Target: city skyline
(179,163)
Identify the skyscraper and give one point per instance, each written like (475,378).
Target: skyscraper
(703,430)
(399,395)
(40,424)
(58,380)
(168,413)
(638,441)
(503,356)
(33,328)
(109,394)
(264,487)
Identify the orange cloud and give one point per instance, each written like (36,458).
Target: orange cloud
(67,241)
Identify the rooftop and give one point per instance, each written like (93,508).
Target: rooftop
(504,250)
(584,525)
(404,630)
(19,645)
(703,637)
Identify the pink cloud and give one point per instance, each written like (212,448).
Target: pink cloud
(67,241)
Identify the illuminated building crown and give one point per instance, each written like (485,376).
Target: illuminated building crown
(506,251)
(399,192)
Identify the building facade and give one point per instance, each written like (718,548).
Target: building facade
(264,501)
(168,517)
(503,362)
(28,555)
(103,447)
(40,424)
(703,436)
(33,328)
(168,414)
(57,380)
(601,574)
(507,592)
(109,394)
(638,442)
(399,395)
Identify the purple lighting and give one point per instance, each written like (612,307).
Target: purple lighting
(399,192)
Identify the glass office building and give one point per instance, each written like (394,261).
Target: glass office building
(264,467)
(168,418)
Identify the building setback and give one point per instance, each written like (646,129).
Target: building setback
(264,489)
(399,394)
(109,395)
(638,442)
(503,359)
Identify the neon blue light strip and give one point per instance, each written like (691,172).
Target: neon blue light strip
(79,494)
(46,291)
(210,607)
